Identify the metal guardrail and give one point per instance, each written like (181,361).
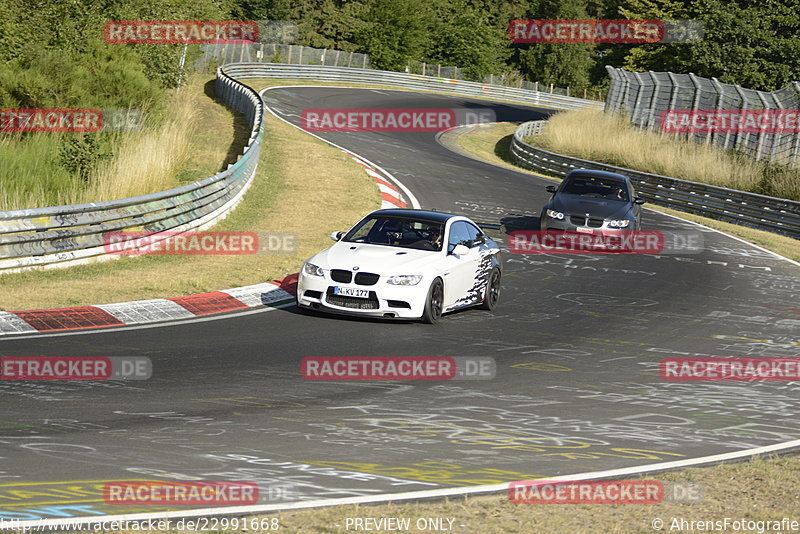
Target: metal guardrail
(405,81)
(644,96)
(778,215)
(68,235)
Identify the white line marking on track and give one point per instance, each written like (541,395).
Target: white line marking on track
(411,495)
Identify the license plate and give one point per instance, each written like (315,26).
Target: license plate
(585,230)
(351,292)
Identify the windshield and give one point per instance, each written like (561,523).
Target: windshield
(397,232)
(596,187)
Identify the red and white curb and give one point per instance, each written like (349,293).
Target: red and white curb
(269,294)
(149,311)
(391,197)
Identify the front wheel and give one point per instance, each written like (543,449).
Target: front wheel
(434,303)
(492,292)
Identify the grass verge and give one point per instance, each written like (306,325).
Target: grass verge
(756,490)
(492,144)
(291,193)
(590,133)
(54,169)
(759,490)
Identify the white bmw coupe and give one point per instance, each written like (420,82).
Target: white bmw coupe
(406,264)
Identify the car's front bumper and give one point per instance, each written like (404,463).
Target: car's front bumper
(386,300)
(564,225)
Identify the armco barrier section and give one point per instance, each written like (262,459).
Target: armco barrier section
(776,215)
(405,81)
(68,235)
(644,96)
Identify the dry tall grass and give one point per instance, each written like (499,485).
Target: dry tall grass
(592,134)
(143,161)
(148,159)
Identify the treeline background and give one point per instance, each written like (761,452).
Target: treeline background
(52,54)
(52,51)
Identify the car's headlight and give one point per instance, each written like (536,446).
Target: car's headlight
(312,270)
(619,224)
(555,214)
(404,279)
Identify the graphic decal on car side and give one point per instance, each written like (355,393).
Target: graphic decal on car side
(476,292)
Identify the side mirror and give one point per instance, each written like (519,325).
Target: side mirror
(460,250)
(336,236)
(639,200)
(550,189)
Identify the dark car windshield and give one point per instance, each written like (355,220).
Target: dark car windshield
(398,232)
(596,187)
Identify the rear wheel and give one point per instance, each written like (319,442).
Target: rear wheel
(492,292)
(434,303)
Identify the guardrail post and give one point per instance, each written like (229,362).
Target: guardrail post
(673,95)
(651,119)
(795,155)
(743,106)
(720,97)
(616,89)
(695,99)
(762,135)
(637,107)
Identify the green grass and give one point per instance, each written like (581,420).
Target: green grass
(31,174)
(280,200)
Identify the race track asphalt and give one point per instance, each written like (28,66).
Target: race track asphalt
(577,340)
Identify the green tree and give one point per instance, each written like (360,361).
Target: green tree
(327,24)
(754,44)
(467,37)
(395,32)
(564,64)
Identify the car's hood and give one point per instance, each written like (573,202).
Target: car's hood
(379,259)
(595,207)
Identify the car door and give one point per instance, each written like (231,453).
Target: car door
(459,272)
